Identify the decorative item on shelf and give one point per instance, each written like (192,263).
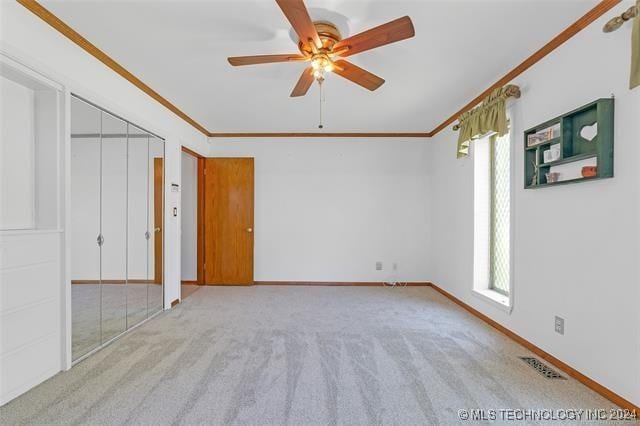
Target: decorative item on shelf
(534,179)
(543,135)
(552,177)
(552,154)
(589,171)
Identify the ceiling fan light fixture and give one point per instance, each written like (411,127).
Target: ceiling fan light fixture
(321,60)
(321,64)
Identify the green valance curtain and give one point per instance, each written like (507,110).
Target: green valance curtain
(489,117)
(635,50)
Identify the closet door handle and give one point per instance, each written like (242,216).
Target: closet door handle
(157,230)
(100,240)
(147,235)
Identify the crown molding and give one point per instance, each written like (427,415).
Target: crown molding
(55,22)
(64,29)
(599,10)
(321,135)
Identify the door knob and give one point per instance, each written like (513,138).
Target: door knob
(157,229)
(249,230)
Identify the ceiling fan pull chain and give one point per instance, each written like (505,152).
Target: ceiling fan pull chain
(320,126)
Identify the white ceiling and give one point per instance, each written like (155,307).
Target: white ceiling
(179,48)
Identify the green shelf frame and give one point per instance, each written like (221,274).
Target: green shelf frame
(573,159)
(574,147)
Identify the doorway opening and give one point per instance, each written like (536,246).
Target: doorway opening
(191,225)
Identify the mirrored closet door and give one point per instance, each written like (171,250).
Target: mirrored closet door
(113,225)
(138,221)
(117,207)
(156,220)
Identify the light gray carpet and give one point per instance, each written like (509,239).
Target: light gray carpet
(188,290)
(300,355)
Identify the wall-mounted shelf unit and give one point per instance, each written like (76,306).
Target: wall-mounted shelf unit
(583,137)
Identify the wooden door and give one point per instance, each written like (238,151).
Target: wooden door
(158,218)
(228,221)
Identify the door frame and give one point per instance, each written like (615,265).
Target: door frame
(158,218)
(200,216)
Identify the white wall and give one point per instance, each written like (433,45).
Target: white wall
(576,248)
(17,147)
(29,40)
(327,210)
(189,218)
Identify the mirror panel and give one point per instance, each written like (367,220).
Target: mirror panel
(137,214)
(114,226)
(156,224)
(85,228)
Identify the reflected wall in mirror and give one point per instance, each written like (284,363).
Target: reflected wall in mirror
(117,193)
(113,226)
(138,221)
(85,228)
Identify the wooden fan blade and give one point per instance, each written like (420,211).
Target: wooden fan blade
(304,83)
(357,75)
(298,16)
(264,59)
(393,31)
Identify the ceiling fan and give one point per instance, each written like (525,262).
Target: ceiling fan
(322,44)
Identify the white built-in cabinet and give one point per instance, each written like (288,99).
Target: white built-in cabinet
(32,291)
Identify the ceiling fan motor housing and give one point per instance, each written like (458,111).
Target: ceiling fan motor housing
(329,35)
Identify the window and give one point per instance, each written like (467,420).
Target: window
(492,218)
(500,214)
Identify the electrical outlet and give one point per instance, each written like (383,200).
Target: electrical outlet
(559,325)
(378,266)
